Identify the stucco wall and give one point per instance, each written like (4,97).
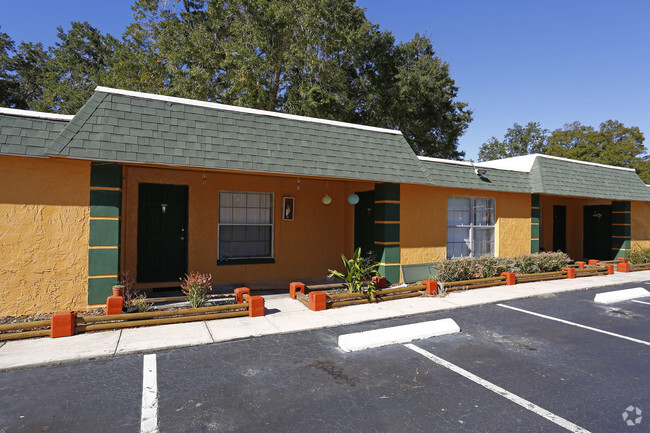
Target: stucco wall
(43,235)
(423,228)
(305,247)
(574,222)
(640,225)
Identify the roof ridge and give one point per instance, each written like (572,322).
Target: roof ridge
(216,105)
(35,114)
(62,140)
(597,164)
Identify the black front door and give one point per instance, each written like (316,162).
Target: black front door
(162,232)
(597,232)
(364,222)
(559,228)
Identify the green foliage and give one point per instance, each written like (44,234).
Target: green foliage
(307,57)
(358,270)
(519,140)
(196,286)
(141,303)
(613,144)
(486,267)
(639,255)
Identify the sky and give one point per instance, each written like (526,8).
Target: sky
(514,61)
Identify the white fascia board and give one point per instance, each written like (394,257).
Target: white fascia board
(217,106)
(525,163)
(446,161)
(35,114)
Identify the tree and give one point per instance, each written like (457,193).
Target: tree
(518,140)
(613,144)
(319,58)
(77,63)
(59,79)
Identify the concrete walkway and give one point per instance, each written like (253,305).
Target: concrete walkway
(282,315)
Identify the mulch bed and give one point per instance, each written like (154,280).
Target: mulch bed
(46,316)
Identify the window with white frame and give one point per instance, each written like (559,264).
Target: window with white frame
(470,226)
(245,225)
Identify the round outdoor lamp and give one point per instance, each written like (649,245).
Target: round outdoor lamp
(353,199)
(326,199)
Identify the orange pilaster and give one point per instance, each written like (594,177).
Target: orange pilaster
(62,324)
(317,301)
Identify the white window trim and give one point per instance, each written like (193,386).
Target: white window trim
(472,227)
(219,224)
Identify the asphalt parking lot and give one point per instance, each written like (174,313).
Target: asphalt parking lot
(525,373)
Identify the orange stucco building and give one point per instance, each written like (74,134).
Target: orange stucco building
(159,186)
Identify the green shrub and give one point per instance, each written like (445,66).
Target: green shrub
(487,266)
(358,270)
(196,287)
(140,302)
(641,255)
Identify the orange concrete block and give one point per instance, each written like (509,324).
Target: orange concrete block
(432,287)
(380,282)
(581,265)
(623,266)
(317,301)
(255,306)
(594,262)
(511,278)
(239,294)
(114,305)
(296,287)
(610,269)
(570,272)
(62,324)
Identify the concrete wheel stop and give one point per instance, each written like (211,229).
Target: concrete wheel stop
(396,334)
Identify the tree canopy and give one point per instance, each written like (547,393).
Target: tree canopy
(613,144)
(318,58)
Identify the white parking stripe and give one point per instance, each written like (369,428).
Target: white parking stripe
(502,392)
(576,324)
(149,418)
(640,302)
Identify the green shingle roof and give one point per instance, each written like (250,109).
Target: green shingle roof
(141,128)
(459,174)
(541,174)
(26,133)
(117,125)
(565,177)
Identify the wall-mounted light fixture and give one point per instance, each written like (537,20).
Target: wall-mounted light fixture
(353,199)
